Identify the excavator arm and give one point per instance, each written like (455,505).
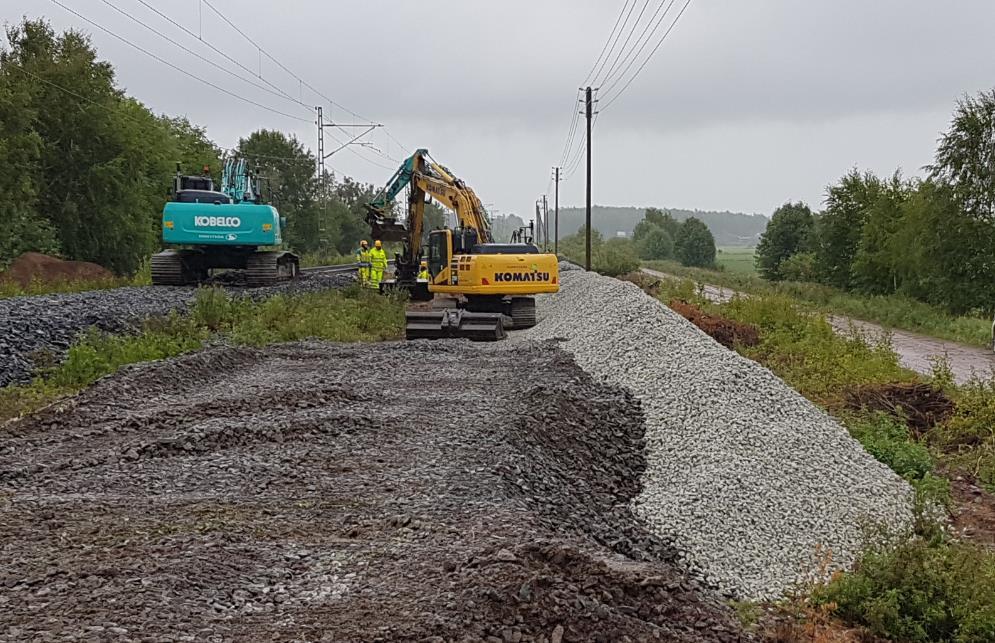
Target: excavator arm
(424,177)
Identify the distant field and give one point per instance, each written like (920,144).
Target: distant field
(736,259)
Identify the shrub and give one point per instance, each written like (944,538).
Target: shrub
(889,441)
(920,590)
(616,257)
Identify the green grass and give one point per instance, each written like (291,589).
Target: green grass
(736,260)
(310,259)
(350,315)
(891,311)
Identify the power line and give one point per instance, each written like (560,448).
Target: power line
(641,42)
(571,132)
(612,49)
(649,57)
(250,81)
(621,49)
(176,67)
(605,47)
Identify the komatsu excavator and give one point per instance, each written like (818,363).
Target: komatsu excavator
(493,283)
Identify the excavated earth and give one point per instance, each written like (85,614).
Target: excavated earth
(317,491)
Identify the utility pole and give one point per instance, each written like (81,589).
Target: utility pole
(538,235)
(545,222)
(588,112)
(556,212)
(367,128)
(321,145)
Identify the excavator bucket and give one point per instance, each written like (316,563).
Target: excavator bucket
(454,323)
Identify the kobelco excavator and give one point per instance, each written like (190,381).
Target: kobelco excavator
(493,283)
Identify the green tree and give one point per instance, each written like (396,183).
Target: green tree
(101,155)
(655,218)
(965,156)
(788,232)
(656,244)
(946,252)
(289,168)
(876,262)
(838,229)
(694,244)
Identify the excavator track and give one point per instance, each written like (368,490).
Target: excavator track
(523,312)
(267,268)
(168,269)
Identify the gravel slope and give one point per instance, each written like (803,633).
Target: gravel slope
(753,480)
(318,491)
(51,322)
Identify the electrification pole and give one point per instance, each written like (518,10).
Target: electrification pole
(588,112)
(556,212)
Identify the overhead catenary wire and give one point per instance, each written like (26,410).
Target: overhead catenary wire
(648,58)
(206,43)
(185,72)
(278,94)
(299,79)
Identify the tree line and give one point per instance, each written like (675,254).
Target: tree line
(85,169)
(930,238)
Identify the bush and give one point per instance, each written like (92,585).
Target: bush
(616,257)
(656,244)
(920,590)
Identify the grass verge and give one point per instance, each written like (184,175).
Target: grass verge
(932,587)
(892,311)
(349,315)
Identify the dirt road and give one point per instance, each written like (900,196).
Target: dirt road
(316,491)
(915,351)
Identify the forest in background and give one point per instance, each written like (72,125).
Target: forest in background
(85,169)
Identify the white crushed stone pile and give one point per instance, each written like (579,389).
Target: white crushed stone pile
(752,479)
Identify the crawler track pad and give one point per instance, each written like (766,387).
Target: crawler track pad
(454,323)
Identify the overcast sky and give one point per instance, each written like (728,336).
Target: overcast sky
(744,106)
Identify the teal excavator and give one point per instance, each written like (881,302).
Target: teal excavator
(231,229)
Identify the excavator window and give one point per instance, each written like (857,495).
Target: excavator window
(438,251)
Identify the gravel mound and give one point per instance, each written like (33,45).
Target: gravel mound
(50,323)
(761,487)
(419,491)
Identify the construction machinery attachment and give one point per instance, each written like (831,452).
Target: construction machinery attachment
(451,323)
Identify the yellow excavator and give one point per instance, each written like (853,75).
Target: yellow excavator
(493,284)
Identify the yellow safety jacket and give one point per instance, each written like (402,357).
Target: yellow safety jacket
(424,274)
(378,259)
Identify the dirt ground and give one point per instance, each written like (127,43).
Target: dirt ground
(33,266)
(311,492)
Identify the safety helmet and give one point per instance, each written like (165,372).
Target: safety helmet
(363,243)
(377,243)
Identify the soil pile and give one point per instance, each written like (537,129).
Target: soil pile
(34,266)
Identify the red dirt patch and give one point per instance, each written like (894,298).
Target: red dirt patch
(34,266)
(727,332)
(921,405)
